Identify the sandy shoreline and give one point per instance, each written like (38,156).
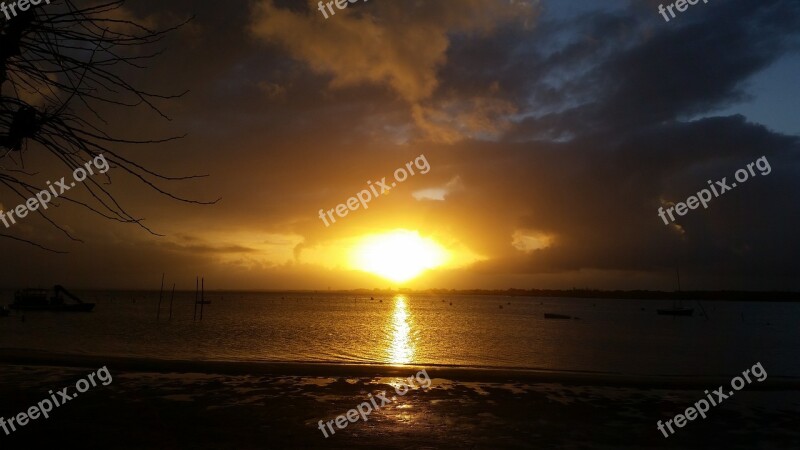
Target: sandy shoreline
(39,358)
(200,405)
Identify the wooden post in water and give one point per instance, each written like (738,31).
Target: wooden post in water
(202,296)
(158,314)
(196,290)
(172,297)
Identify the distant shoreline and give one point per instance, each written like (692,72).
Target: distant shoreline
(719,295)
(776,296)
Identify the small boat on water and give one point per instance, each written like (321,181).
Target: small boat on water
(675,311)
(558,316)
(37,300)
(677,308)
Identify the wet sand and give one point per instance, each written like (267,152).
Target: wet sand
(175,405)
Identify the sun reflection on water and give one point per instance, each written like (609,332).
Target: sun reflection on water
(402,349)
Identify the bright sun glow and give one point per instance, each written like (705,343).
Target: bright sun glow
(398,255)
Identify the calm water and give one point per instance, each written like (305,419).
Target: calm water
(612,335)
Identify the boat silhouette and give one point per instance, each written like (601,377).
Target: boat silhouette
(558,316)
(675,311)
(37,300)
(677,308)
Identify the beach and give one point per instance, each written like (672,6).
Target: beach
(177,404)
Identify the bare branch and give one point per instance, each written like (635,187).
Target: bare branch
(73,61)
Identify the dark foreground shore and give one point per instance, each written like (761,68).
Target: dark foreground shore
(163,405)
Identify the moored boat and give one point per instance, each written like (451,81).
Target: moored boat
(676,311)
(39,300)
(557,316)
(677,308)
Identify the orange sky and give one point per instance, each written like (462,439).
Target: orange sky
(552,133)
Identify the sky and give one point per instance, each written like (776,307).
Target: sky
(553,132)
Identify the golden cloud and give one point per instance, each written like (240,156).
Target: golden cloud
(398,44)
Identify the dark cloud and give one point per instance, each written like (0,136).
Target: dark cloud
(616,72)
(566,135)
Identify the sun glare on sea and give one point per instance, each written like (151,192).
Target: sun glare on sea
(398,255)
(402,348)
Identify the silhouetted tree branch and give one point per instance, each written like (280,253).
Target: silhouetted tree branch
(59,66)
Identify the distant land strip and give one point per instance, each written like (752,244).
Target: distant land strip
(776,296)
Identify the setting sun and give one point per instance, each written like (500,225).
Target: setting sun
(398,255)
